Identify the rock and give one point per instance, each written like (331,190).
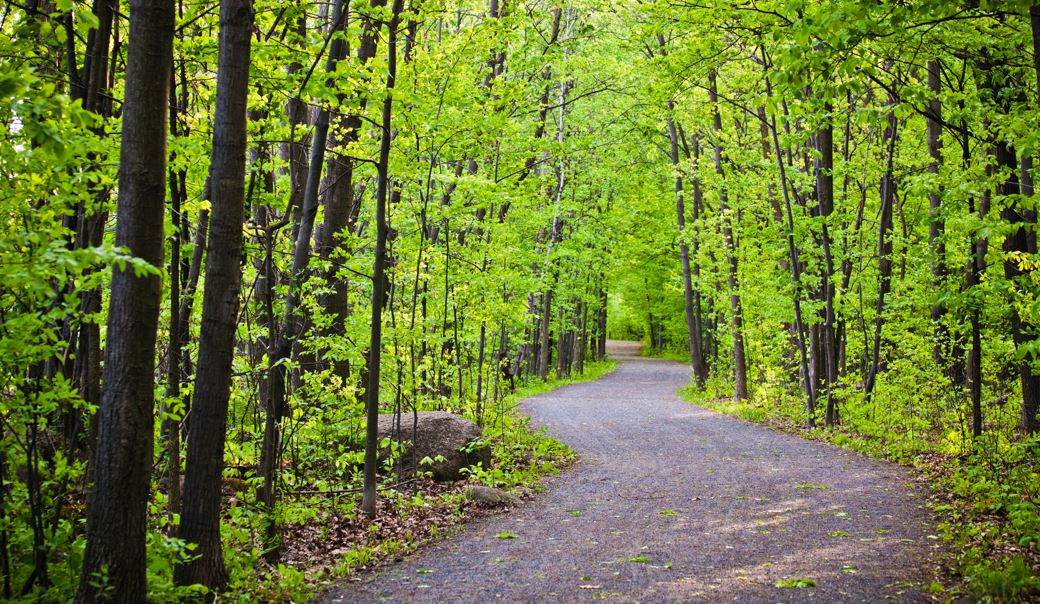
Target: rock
(489,496)
(438,433)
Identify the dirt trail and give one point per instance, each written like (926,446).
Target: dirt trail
(674,503)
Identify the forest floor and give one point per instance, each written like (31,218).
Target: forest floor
(672,502)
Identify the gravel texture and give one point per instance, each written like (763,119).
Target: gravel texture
(674,503)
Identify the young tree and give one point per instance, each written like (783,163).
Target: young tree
(375,345)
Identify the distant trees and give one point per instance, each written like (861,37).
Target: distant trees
(862,139)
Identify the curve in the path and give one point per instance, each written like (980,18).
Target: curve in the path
(674,503)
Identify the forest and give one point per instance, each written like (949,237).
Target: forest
(237,231)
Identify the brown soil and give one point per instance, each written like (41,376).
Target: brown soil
(674,503)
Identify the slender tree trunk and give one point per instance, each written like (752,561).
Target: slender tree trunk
(601,324)
(825,198)
(117,509)
(795,263)
(91,225)
(695,266)
(740,390)
(170,426)
(341,202)
(888,199)
(936,225)
(693,337)
(543,334)
(200,517)
(368,500)
(289,328)
(979,248)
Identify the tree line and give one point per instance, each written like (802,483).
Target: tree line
(313,212)
(237,231)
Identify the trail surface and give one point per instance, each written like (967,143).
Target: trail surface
(674,503)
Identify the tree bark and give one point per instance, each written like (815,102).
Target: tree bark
(740,388)
(795,264)
(825,198)
(200,517)
(936,225)
(341,202)
(693,336)
(283,344)
(118,505)
(368,497)
(884,251)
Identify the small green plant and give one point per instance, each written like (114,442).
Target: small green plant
(356,558)
(795,583)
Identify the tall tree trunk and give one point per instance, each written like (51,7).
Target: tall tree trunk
(977,258)
(884,250)
(601,323)
(171,431)
(936,224)
(91,225)
(825,198)
(375,345)
(693,336)
(795,264)
(289,328)
(200,517)
(740,389)
(698,203)
(544,349)
(341,202)
(118,505)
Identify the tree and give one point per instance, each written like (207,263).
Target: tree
(200,518)
(114,561)
(375,344)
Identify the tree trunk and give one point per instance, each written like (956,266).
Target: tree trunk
(825,198)
(601,324)
(118,505)
(341,202)
(795,264)
(936,225)
(693,336)
(288,332)
(543,333)
(200,517)
(740,388)
(884,251)
(368,500)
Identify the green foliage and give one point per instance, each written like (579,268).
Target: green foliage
(548,178)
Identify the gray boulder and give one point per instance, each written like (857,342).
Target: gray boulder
(437,433)
(490,496)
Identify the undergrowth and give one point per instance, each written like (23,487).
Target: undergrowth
(325,539)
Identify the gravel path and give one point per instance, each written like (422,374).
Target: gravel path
(674,503)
